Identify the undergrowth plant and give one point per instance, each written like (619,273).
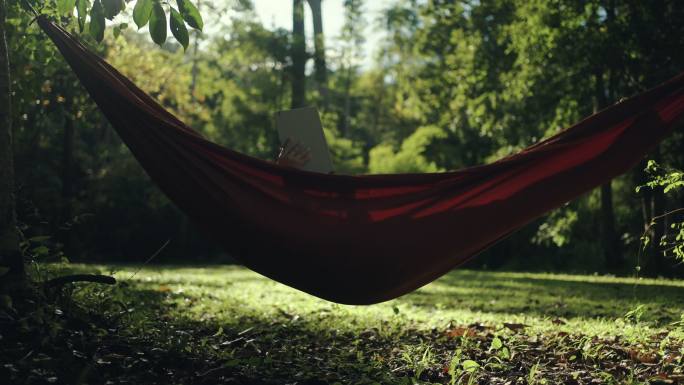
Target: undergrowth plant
(671,181)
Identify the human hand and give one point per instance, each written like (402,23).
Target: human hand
(293,154)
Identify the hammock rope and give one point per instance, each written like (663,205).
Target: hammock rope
(371,238)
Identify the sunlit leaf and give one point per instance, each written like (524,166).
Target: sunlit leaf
(82,8)
(190,14)
(158,24)
(496,344)
(470,366)
(178,28)
(65,6)
(142,12)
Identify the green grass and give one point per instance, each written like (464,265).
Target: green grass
(467,327)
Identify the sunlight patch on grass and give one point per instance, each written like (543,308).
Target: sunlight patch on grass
(466,325)
(591,305)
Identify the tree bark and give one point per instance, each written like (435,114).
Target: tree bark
(347,101)
(298,55)
(10,253)
(609,240)
(67,214)
(195,70)
(319,50)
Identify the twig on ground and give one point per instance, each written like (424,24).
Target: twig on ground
(63,280)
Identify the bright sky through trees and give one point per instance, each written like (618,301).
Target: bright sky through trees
(278,13)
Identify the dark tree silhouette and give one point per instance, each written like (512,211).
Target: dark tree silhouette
(319,48)
(10,255)
(298,55)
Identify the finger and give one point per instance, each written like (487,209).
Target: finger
(284,145)
(290,149)
(304,150)
(304,157)
(299,150)
(301,159)
(305,154)
(296,149)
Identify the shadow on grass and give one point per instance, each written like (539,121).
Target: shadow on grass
(146,332)
(158,344)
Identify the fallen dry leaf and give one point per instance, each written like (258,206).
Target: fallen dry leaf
(514,326)
(460,332)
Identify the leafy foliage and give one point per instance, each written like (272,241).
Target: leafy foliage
(411,156)
(454,84)
(671,181)
(144,11)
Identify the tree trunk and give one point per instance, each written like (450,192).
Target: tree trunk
(319,48)
(195,70)
(347,101)
(298,55)
(67,214)
(10,253)
(609,237)
(609,240)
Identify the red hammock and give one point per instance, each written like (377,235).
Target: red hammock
(366,239)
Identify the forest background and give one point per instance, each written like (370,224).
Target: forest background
(454,84)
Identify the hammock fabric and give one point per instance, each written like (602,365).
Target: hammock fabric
(366,239)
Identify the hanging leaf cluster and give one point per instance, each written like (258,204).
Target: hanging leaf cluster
(152,12)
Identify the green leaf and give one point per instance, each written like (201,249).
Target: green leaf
(505,353)
(496,344)
(40,238)
(97,21)
(190,14)
(158,24)
(65,6)
(41,251)
(470,366)
(178,29)
(4,270)
(82,8)
(113,7)
(142,12)
(6,301)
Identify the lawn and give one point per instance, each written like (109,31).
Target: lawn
(226,324)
